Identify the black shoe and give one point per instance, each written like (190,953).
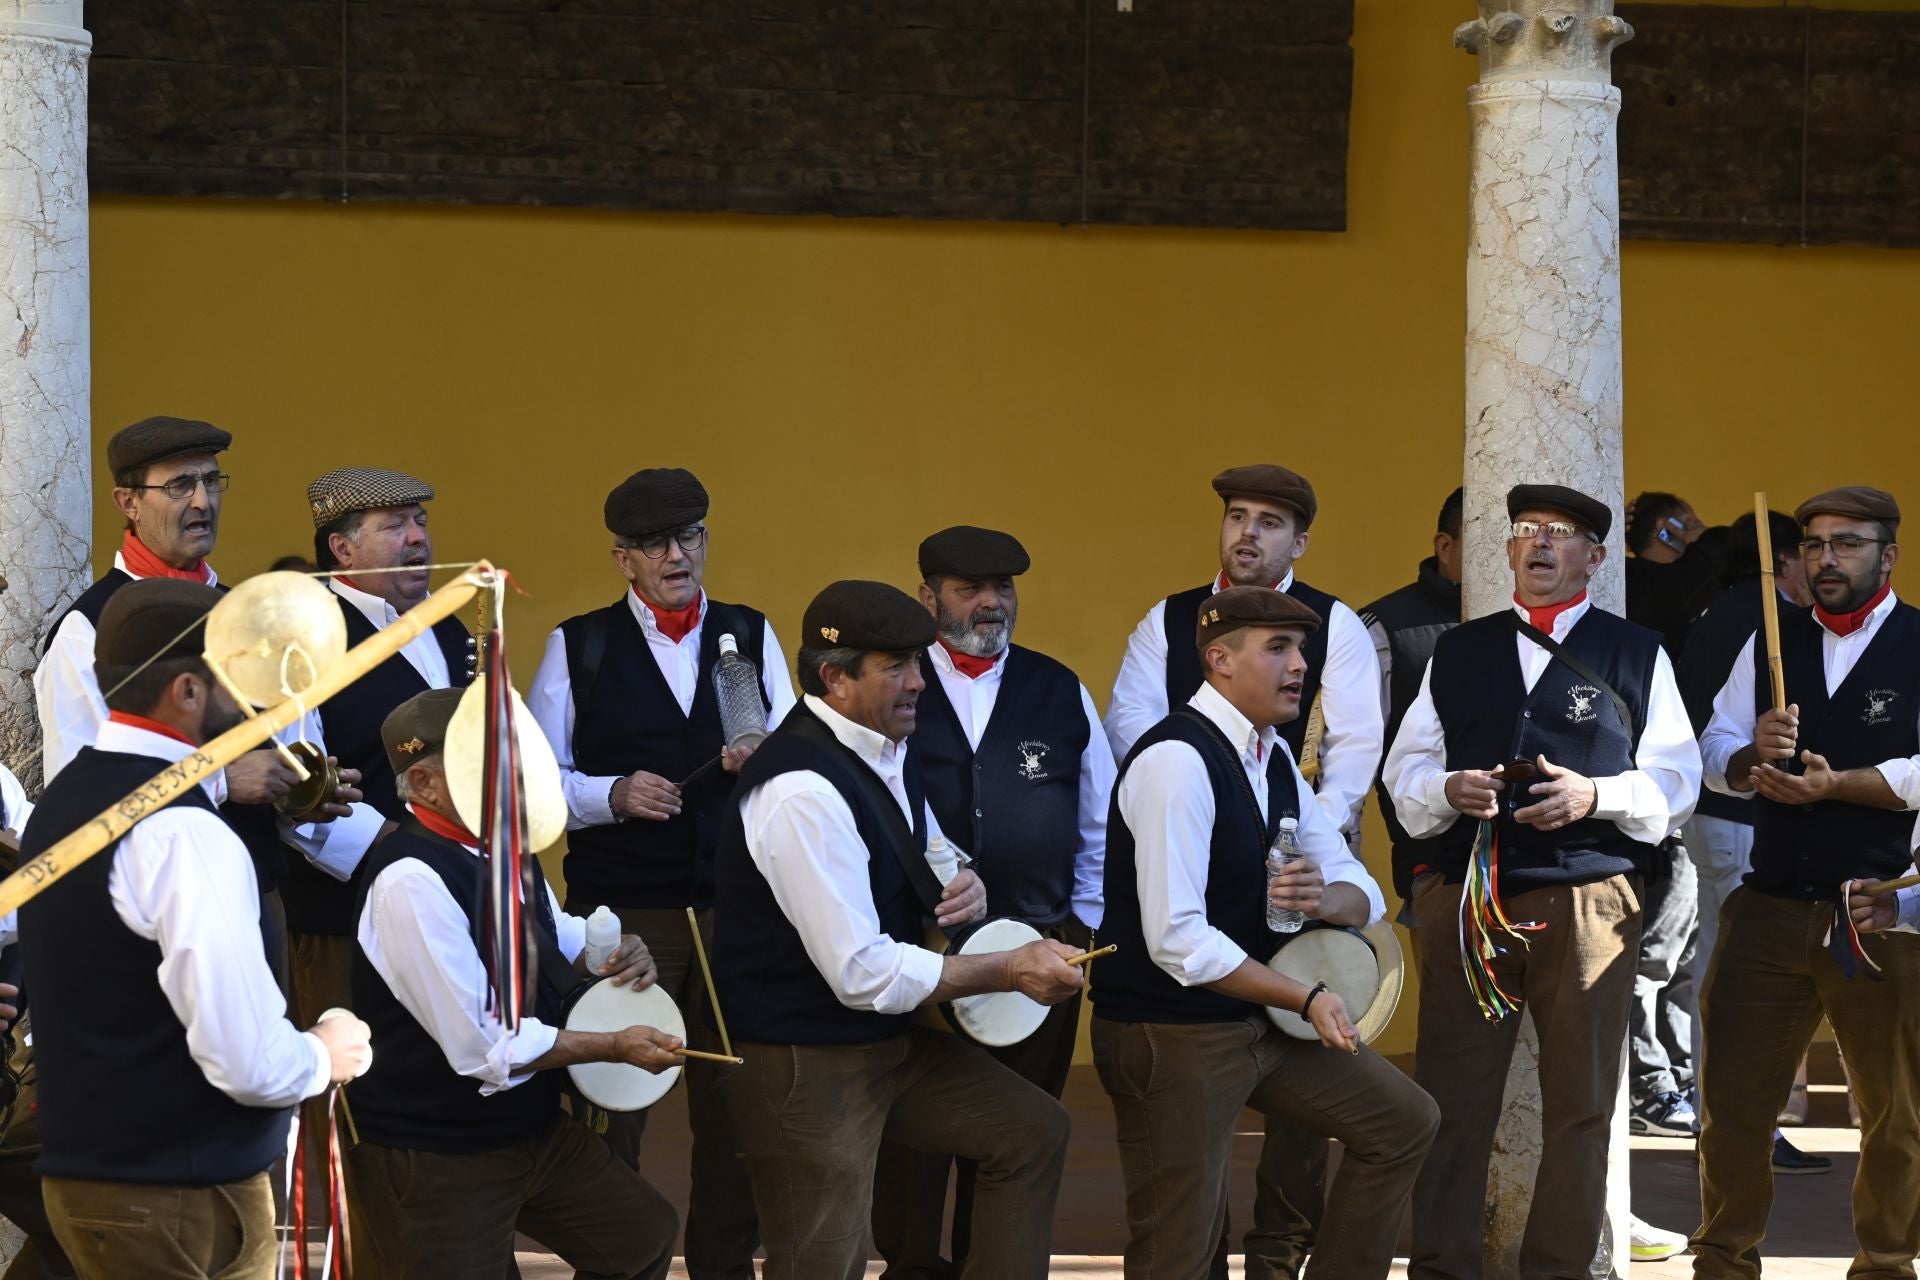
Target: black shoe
(1788,1158)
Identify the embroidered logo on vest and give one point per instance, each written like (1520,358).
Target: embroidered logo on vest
(1582,709)
(1032,754)
(1878,702)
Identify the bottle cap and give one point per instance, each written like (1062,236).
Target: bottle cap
(1289,824)
(728,644)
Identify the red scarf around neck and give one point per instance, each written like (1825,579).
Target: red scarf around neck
(1845,624)
(143,563)
(674,624)
(445,828)
(1545,615)
(133,721)
(965,663)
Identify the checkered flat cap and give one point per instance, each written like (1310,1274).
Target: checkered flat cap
(351,489)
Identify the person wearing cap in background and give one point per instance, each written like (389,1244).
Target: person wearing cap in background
(1833,778)
(1017,771)
(1588,700)
(462,1139)
(1181,1035)
(825,873)
(626,696)
(168,1070)
(1337,737)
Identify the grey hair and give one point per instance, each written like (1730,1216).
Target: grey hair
(811,660)
(400,784)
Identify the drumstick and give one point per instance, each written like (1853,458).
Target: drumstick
(1769,600)
(690,778)
(706,971)
(1888,886)
(1088,957)
(710,1057)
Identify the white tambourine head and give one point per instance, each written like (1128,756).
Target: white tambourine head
(275,634)
(465,756)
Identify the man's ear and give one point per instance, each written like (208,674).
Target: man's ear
(929,599)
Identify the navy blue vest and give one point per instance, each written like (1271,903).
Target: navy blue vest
(412,1098)
(1013,805)
(1182,621)
(769,987)
(627,721)
(1805,851)
(1490,717)
(121,1097)
(1131,987)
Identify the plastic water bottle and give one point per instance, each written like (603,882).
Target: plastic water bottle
(1285,852)
(736,684)
(603,938)
(943,860)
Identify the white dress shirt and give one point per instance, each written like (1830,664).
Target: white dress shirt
(183,880)
(1349,693)
(589,802)
(18,809)
(1648,802)
(803,838)
(1167,801)
(423,652)
(973,700)
(421,943)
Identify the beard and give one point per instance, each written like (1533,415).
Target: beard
(968,638)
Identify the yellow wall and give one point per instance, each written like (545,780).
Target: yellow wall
(845,387)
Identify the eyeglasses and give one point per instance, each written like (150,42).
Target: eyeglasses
(1846,546)
(655,546)
(1558,530)
(180,488)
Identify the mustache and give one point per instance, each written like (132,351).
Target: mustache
(986,617)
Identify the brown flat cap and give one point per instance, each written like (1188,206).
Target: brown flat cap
(657,500)
(968,552)
(151,439)
(1236,607)
(1269,483)
(866,615)
(146,620)
(1856,502)
(351,489)
(1590,513)
(417,728)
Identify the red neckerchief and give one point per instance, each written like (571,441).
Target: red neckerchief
(143,563)
(965,663)
(133,721)
(446,828)
(1221,584)
(674,624)
(1543,617)
(1845,624)
(345,581)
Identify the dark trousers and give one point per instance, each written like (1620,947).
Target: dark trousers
(722,1234)
(319,978)
(812,1117)
(1576,977)
(21,1202)
(424,1215)
(117,1230)
(1770,980)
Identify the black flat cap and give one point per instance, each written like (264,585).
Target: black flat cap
(151,439)
(965,551)
(1236,607)
(657,500)
(146,617)
(1269,483)
(1855,502)
(1590,513)
(417,728)
(866,615)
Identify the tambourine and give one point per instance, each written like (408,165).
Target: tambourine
(995,1019)
(601,1006)
(1364,967)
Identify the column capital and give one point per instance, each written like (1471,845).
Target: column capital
(1544,39)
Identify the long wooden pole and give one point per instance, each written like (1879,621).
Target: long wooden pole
(1769,600)
(173,781)
(1888,886)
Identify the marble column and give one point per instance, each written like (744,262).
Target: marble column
(1543,386)
(46,510)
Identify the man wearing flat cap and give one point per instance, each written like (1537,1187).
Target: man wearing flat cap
(829,865)
(462,1139)
(1182,1037)
(1547,755)
(167,1067)
(626,696)
(1019,773)
(1833,778)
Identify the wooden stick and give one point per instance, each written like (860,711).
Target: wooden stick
(1769,600)
(1088,957)
(1888,886)
(176,779)
(706,971)
(711,1057)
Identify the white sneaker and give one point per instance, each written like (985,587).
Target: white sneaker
(1651,1244)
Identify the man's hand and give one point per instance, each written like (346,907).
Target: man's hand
(1328,1014)
(963,901)
(1040,971)
(1565,797)
(645,795)
(630,962)
(1298,888)
(349,1046)
(1871,912)
(1776,784)
(345,796)
(1475,792)
(1776,733)
(8,1009)
(731,758)
(258,777)
(648,1048)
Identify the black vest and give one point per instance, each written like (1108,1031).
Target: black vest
(1414,618)
(121,1097)
(1805,851)
(350,720)
(1712,646)
(1490,717)
(1182,621)
(1131,987)
(628,720)
(412,1098)
(1014,805)
(769,987)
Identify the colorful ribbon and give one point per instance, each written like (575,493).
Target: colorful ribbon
(1843,939)
(1481,919)
(335,1260)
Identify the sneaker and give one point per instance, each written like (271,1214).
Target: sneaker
(1651,1244)
(1664,1115)
(1788,1158)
